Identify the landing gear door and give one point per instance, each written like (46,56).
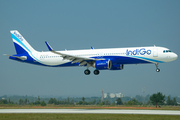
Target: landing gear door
(155,52)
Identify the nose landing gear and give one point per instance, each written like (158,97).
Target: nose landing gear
(157,69)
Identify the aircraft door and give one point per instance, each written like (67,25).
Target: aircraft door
(155,52)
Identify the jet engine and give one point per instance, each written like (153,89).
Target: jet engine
(107,64)
(103,64)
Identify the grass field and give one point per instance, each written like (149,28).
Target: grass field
(85,117)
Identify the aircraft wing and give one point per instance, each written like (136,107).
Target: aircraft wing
(82,60)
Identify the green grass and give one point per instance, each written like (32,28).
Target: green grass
(85,117)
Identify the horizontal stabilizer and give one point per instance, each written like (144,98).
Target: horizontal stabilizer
(21,57)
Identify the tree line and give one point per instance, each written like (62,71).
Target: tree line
(155,99)
(24,102)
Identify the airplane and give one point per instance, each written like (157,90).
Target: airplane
(100,59)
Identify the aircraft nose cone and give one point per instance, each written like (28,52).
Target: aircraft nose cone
(175,56)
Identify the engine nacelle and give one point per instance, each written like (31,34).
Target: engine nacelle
(117,67)
(103,64)
(107,64)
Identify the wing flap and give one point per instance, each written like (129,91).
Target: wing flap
(83,63)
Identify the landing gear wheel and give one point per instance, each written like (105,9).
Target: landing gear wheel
(157,70)
(87,72)
(96,72)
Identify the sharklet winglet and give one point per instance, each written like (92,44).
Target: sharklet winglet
(49,47)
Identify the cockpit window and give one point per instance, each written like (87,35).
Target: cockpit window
(166,51)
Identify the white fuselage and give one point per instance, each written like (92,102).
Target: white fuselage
(155,55)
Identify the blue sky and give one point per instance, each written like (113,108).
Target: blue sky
(81,24)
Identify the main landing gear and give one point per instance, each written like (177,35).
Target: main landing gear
(157,69)
(96,72)
(87,72)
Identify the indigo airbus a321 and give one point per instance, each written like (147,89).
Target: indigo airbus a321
(100,59)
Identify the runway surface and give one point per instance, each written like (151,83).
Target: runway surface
(92,111)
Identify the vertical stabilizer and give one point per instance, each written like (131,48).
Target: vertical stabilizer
(21,45)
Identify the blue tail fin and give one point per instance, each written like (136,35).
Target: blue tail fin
(21,45)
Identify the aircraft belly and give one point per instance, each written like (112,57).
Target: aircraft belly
(54,62)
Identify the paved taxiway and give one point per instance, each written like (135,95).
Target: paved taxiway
(92,111)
